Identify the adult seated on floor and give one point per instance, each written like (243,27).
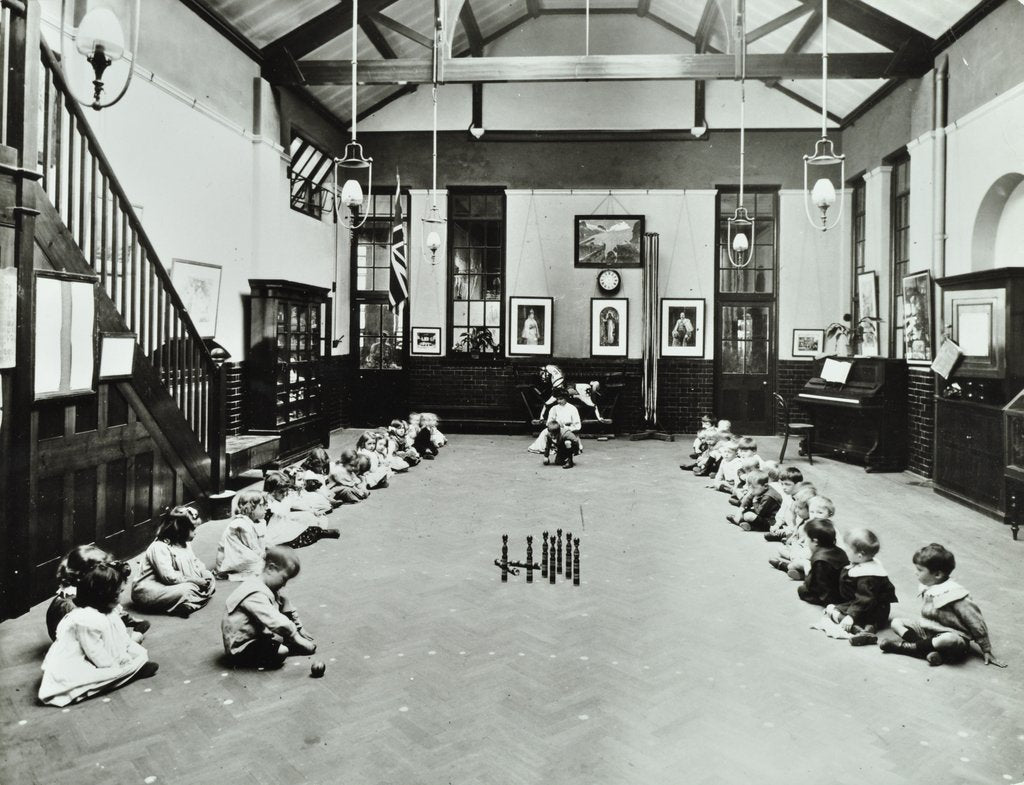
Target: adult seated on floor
(562,426)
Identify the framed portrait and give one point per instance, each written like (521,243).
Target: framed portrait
(808,343)
(117,355)
(682,328)
(867,306)
(609,326)
(65,335)
(425,341)
(609,240)
(530,324)
(917,318)
(198,286)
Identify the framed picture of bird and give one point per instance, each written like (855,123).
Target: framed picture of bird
(609,240)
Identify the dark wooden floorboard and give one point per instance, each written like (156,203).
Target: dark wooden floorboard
(682,659)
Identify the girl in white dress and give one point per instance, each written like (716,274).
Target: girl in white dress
(243,544)
(173,579)
(94,652)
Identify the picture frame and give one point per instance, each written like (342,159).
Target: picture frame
(682,327)
(425,341)
(918,328)
(530,325)
(808,343)
(976,321)
(609,240)
(198,286)
(65,335)
(867,306)
(117,356)
(609,326)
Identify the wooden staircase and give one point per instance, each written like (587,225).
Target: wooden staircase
(97,468)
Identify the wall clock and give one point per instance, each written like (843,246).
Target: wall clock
(609,281)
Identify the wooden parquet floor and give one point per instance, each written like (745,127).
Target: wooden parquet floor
(683,657)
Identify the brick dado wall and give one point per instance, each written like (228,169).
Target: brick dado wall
(920,419)
(686,392)
(790,378)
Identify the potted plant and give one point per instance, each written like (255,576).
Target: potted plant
(855,334)
(475,341)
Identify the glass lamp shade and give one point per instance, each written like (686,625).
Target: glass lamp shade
(740,243)
(352,194)
(98,46)
(741,229)
(824,194)
(433,242)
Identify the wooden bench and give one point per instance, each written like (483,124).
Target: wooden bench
(461,418)
(250,451)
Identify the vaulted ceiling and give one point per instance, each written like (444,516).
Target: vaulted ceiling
(872,44)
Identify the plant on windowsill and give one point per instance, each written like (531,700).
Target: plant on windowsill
(854,334)
(476,341)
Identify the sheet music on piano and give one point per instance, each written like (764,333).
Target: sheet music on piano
(835,371)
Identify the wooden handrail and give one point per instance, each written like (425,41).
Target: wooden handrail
(83,128)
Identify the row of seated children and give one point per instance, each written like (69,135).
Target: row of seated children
(849,582)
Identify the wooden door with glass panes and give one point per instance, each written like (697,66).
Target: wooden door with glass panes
(381,387)
(745,318)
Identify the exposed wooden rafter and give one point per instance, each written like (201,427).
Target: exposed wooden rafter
(382,20)
(322,28)
(533,8)
(473,34)
(643,8)
(874,24)
(380,43)
(776,23)
(805,34)
(567,68)
(702,40)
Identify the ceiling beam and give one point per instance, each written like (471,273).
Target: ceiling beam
(322,28)
(393,24)
(643,8)
(473,34)
(707,23)
(570,68)
(805,34)
(380,43)
(874,24)
(533,8)
(777,22)
(219,22)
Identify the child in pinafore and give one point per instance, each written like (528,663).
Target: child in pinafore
(951,619)
(866,590)
(260,627)
(244,541)
(72,567)
(173,579)
(93,652)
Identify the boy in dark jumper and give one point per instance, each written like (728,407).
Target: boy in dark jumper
(764,504)
(951,620)
(866,590)
(821,586)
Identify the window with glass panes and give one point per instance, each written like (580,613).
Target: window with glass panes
(758,277)
(381,331)
(476,266)
(900,248)
(857,243)
(309,173)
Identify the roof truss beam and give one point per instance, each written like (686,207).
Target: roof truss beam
(777,22)
(393,24)
(380,43)
(322,28)
(568,68)
(874,24)
(473,34)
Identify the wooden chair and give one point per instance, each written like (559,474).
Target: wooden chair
(804,429)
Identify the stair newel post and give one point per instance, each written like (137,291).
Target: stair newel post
(19,117)
(217,419)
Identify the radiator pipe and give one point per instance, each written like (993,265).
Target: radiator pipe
(939,162)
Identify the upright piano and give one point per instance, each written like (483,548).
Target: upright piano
(863,420)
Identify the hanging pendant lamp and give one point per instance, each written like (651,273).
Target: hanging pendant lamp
(354,160)
(99,42)
(823,194)
(740,231)
(433,221)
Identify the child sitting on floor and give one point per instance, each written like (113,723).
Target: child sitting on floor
(865,588)
(430,421)
(173,579)
(93,652)
(260,628)
(402,446)
(72,567)
(725,478)
(700,445)
(951,619)
(821,586)
(764,503)
(421,440)
(741,489)
(799,547)
(746,447)
(794,538)
(790,479)
(243,543)
(349,487)
(377,473)
(385,447)
(289,523)
(708,461)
